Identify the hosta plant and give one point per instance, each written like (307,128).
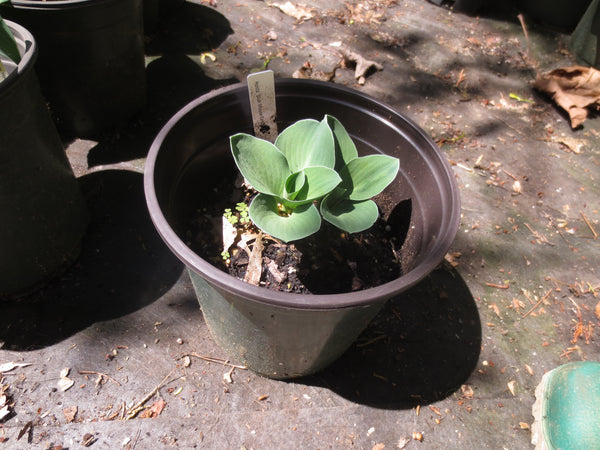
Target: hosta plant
(311,172)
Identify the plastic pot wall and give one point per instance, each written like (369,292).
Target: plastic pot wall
(283,335)
(42,210)
(91,59)
(560,14)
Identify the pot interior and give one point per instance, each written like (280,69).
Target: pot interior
(423,201)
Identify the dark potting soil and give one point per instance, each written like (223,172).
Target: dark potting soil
(327,262)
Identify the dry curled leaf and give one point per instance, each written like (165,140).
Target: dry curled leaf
(298,11)
(576,89)
(154,410)
(70,413)
(417,436)
(467,391)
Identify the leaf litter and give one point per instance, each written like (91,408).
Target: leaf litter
(575,89)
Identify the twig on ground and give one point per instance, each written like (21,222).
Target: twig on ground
(104,375)
(539,302)
(589,225)
(139,406)
(216,360)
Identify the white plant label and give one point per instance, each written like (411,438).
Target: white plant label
(261,86)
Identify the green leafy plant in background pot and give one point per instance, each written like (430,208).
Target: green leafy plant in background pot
(312,171)
(8,47)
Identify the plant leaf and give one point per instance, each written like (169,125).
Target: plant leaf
(307,143)
(345,150)
(320,181)
(367,176)
(294,183)
(348,215)
(8,46)
(303,221)
(261,163)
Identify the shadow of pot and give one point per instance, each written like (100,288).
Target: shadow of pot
(91,59)
(277,334)
(43,212)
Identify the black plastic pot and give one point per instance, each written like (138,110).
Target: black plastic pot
(91,59)
(283,335)
(560,14)
(41,209)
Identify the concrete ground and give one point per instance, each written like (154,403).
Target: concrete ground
(451,364)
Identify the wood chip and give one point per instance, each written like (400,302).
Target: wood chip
(254,271)
(277,274)
(8,366)
(64,384)
(363,65)
(511,386)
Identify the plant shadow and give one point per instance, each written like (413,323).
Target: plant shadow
(421,347)
(123,266)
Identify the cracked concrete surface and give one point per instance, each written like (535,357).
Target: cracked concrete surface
(455,361)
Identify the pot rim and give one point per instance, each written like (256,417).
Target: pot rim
(285,299)
(26,41)
(55,4)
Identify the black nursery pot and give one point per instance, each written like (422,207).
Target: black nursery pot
(91,59)
(285,335)
(42,211)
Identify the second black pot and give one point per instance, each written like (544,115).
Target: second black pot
(91,59)
(42,211)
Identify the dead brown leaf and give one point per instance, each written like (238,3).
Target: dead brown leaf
(154,410)
(309,72)
(576,89)
(467,391)
(70,413)
(298,11)
(575,145)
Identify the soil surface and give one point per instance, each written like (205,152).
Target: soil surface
(327,262)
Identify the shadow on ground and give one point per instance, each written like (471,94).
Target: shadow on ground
(419,349)
(123,266)
(173,79)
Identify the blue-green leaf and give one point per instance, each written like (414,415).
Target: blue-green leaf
(8,46)
(319,182)
(294,183)
(345,150)
(259,161)
(301,222)
(369,175)
(307,143)
(348,215)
